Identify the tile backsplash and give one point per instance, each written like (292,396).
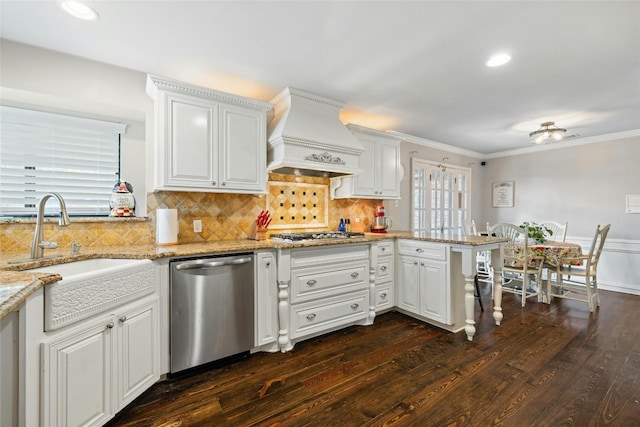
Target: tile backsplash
(224,217)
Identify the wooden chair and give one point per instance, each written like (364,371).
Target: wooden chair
(559,230)
(522,272)
(585,291)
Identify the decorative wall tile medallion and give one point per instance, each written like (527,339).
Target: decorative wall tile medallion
(298,205)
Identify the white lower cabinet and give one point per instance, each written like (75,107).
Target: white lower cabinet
(384,298)
(94,368)
(329,289)
(266,301)
(424,281)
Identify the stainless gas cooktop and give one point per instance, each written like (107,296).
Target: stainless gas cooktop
(315,235)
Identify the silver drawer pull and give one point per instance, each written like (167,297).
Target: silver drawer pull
(311,282)
(311,316)
(110,325)
(383,249)
(383,295)
(354,275)
(383,268)
(415,262)
(354,306)
(123,319)
(420,250)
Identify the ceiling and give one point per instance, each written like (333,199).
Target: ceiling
(415,67)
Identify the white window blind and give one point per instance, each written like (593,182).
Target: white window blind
(46,152)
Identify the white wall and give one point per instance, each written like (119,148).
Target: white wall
(51,81)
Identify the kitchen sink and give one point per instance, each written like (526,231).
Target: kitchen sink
(97,266)
(94,286)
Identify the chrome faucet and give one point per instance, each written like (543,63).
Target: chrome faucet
(39,245)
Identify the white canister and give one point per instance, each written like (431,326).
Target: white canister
(166,227)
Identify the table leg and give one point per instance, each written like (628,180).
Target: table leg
(497,257)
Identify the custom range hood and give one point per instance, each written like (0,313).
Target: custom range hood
(306,137)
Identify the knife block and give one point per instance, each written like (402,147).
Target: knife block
(257,233)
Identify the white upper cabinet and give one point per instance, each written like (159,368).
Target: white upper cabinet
(207,140)
(380,163)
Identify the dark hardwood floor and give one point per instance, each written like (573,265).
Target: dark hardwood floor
(546,365)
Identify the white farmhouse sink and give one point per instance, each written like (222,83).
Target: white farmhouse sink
(93,286)
(95,267)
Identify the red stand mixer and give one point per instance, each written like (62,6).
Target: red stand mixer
(381,222)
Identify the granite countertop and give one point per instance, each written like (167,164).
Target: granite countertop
(17,285)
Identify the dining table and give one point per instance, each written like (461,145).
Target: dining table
(552,253)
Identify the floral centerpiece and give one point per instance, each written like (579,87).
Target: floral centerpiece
(538,233)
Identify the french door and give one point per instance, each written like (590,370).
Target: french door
(441,198)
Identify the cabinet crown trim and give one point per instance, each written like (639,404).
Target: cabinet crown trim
(156,83)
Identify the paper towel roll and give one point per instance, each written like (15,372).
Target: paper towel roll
(166,226)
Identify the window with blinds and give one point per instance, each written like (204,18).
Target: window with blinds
(46,152)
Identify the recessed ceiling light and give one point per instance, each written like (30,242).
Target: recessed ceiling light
(79,10)
(499,59)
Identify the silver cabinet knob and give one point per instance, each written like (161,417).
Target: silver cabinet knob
(354,306)
(110,325)
(213,183)
(311,282)
(383,268)
(311,316)
(419,250)
(267,264)
(354,275)
(415,262)
(422,263)
(383,249)
(123,319)
(383,295)
(224,183)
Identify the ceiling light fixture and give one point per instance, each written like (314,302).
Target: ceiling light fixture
(79,10)
(498,60)
(547,133)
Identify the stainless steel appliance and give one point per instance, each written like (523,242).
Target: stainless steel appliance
(316,235)
(212,309)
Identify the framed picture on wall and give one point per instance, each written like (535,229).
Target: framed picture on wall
(502,194)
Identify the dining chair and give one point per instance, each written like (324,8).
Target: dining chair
(521,272)
(587,290)
(559,230)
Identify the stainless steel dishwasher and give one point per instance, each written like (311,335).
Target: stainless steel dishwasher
(212,309)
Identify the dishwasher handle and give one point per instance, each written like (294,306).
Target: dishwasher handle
(200,265)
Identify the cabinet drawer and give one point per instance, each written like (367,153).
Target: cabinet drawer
(384,296)
(423,250)
(319,316)
(311,257)
(384,272)
(385,248)
(318,282)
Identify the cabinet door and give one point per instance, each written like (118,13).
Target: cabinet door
(266,304)
(434,295)
(365,184)
(388,182)
(138,350)
(77,375)
(190,142)
(243,149)
(408,297)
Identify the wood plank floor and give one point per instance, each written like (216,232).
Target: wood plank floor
(546,365)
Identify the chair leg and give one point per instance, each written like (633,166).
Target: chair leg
(475,281)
